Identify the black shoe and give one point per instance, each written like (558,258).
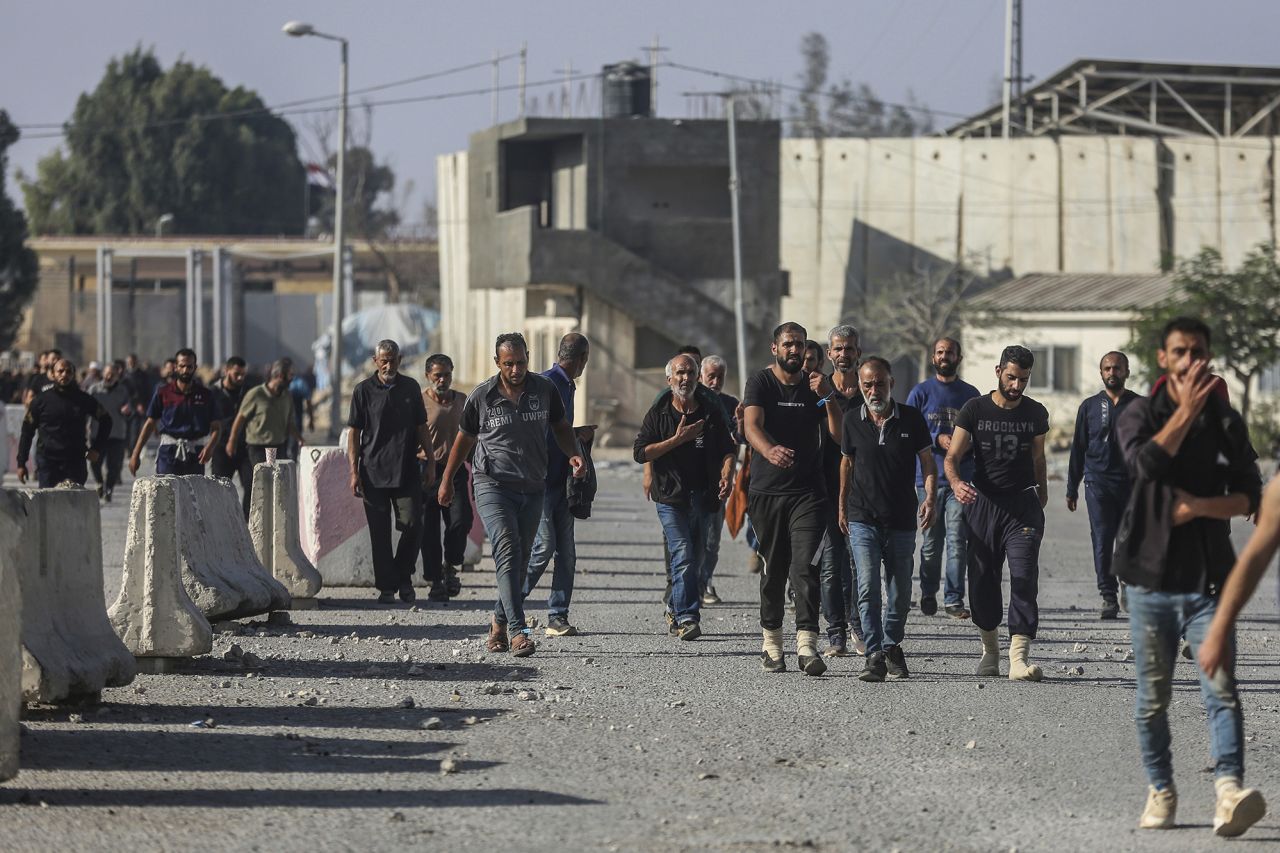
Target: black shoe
(770,664)
(957,611)
(811,664)
(875,668)
(106,495)
(437,592)
(100,490)
(558,626)
(1110,608)
(895,662)
(452,583)
(386,598)
(928,604)
(407,594)
(689,631)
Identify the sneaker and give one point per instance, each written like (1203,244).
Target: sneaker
(1186,650)
(386,598)
(497,639)
(710,597)
(673,627)
(437,592)
(754,563)
(859,645)
(896,662)
(1238,808)
(957,611)
(772,664)
(689,631)
(558,626)
(837,647)
(407,594)
(1162,807)
(875,668)
(106,496)
(928,604)
(1110,608)
(522,645)
(101,491)
(452,583)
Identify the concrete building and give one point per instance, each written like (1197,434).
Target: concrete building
(1115,168)
(619,228)
(260,297)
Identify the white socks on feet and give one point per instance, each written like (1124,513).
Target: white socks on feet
(807,643)
(1019,669)
(772,645)
(990,662)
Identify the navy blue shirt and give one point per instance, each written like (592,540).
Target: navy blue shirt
(187,415)
(557,462)
(940,403)
(1096,456)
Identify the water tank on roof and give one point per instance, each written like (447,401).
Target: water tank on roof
(626,91)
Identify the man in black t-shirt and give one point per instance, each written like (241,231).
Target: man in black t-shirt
(1004,508)
(388,424)
(691,454)
(786,500)
(879,511)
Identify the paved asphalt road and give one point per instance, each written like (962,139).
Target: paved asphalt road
(624,739)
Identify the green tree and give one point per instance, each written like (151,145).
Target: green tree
(148,141)
(1241,308)
(18,267)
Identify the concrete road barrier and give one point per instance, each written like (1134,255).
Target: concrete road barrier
(220,570)
(68,646)
(10,634)
(273,527)
(153,614)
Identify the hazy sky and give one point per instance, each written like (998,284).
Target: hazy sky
(948,52)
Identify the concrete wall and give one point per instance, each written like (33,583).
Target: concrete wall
(858,213)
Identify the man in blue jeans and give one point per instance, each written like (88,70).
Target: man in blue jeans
(1193,470)
(690,450)
(881,443)
(1096,459)
(940,399)
(555,530)
(505,420)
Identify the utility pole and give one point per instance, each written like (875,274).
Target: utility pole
(524,58)
(655,53)
(566,92)
(494,104)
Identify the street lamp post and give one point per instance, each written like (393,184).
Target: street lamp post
(164,220)
(298,29)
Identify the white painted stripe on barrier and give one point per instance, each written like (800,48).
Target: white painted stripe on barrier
(273,526)
(68,646)
(153,614)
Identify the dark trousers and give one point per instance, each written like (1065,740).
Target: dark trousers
(168,463)
(233,467)
(1106,505)
(402,507)
(839,583)
(1005,527)
(51,472)
(456,518)
(113,457)
(791,529)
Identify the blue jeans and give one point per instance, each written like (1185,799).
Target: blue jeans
(684,528)
(871,546)
(839,603)
(711,543)
(948,525)
(510,521)
(554,540)
(1156,621)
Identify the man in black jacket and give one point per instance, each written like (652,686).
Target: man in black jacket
(1096,458)
(58,415)
(1193,470)
(692,452)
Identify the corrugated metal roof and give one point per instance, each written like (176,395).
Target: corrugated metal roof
(1078,292)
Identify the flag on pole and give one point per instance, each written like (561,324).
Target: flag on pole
(319,176)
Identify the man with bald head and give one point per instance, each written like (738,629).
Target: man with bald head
(689,446)
(1097,459)
(58,415)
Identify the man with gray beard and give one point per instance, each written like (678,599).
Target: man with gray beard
(691,450)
